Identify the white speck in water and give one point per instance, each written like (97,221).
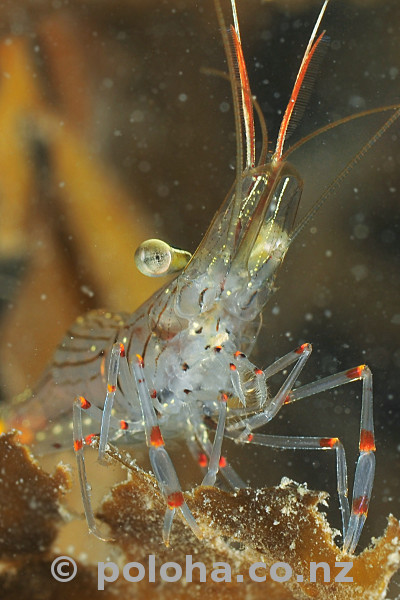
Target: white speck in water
(117,132)
(361,231)
(357,101)
(83,557)
(308,316)
(137,116)
(163,191)
(313,230)
(43,296)
(327,313)
(359,272)
(395,319)
(107,83)
(61,184)
(224,107)
(276,310)
(329,254)
(144,166)
(182,97)
(87,291)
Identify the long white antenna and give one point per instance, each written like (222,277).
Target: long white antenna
(314,31)
(235,18)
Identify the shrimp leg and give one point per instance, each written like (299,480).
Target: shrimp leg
(201,448)
(160,461)
(81,405)
(364,476)
(215,455)
(298,356)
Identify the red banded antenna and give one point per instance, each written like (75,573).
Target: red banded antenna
(242,80)
(245,99)
(310,58)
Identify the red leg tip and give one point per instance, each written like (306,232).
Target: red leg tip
(85,404)
(78,444)
(202,459)
(301,349)
(156,439)
(367,441)
(355,373)
(175,500)
(328,442)
(360,505)
(140,360)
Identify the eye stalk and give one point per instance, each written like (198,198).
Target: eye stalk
(156,258)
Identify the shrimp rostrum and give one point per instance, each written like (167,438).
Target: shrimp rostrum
(179,366)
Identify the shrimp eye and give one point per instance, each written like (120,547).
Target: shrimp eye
(156,258)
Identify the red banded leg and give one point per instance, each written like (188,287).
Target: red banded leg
(215,455)
(82,405)
(274,404)
(246,378)
(365,469)
(160,461)
(201,449)
(117,352)
(309,443)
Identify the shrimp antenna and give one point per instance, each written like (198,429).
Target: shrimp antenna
(235,20)
(257,108)
(243,110)
(303,84)
(333,187)
(342,121)
(236,111)
(245,98)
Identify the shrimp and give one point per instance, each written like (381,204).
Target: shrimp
(179,366)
